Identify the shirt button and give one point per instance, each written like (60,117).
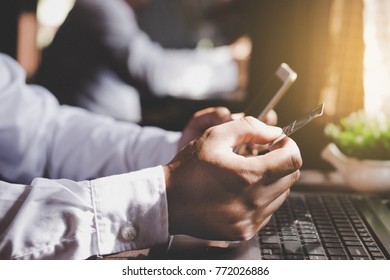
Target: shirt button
(128,232)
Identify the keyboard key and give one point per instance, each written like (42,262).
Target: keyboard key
(309,236)
(377,254)
(314,249)
(308,232)
(357,251)
(328,235)
(373,249)
(344,225)
(338,257)
(353,243)
(350,238)
(345,229)
(320,219)
(348,233)
(294,257)
(333,245)
(330,239)
(368,239)
(271,246)
(341,220)
(317,258)
(327,231)
(267,251)
(293,247)
(268,232)
(271,257)
(270,239)
(289,233)
(310,240)
(272,251)
(290,238)
(336,252)
(325,226)
(365,234)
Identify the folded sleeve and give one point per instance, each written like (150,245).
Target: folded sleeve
(64,219)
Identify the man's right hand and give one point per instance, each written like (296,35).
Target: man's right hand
(214,193)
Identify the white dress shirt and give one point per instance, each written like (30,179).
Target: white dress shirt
(82,212)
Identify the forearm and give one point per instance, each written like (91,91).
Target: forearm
(100,146)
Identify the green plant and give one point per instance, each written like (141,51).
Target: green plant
(360,136)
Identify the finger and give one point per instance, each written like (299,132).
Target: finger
(265,195)
(271,209)
(262,214)
(241,48)
(211,116)
(271,118)
(268,168)
(237,116)
(279,162)
(246,130)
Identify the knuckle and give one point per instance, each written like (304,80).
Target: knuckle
(295,155)
(269,173)
(222,112)
(268,176)
(296,176)
(210,132)
(296,159)
(250,121)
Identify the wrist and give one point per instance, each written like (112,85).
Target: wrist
(167,169)
(167,176)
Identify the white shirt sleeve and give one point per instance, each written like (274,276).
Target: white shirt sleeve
(38,137)
(45,219)
(63,219)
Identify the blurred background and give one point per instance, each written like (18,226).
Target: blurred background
(339,48)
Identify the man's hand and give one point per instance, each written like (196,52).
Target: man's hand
(209,117)
(251,149)
(214,193)
(201,121)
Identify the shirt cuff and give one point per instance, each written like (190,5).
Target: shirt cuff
(130,211)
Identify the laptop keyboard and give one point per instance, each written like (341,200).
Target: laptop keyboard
(318,227)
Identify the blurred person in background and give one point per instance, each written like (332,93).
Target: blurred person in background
(101,60)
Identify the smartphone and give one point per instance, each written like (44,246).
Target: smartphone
(278,84)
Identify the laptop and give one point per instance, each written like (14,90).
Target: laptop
(310,225)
